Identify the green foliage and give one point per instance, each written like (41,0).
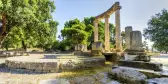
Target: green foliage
(157,30)
(74,32)
(81,32)
(30,23)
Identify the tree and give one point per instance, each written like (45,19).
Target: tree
(157,30)
(88,21)
(74,32)
(30,21)
(145,45)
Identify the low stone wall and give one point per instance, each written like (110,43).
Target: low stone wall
(38,64)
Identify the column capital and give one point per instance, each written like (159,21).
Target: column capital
(107,16)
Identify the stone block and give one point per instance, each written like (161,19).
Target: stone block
(81,47)
(97,46)
(97,49)
(128,30)
(96,53)
(141,64)
(144,58)
(128,76)
(137,57)
(78,53)
(136,40)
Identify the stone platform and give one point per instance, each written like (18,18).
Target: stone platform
(53,63)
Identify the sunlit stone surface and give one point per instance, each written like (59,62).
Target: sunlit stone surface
(53,63)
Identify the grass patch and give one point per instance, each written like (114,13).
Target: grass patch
(86,72)
(153,54)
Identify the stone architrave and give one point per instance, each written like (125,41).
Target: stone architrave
(136,40)
(107,34)
(118,34)
(128,31)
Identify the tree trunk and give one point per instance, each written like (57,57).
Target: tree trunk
(24,45)
(6,47)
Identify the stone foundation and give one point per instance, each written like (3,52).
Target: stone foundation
(38,64)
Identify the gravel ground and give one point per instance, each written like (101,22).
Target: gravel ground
(14,77)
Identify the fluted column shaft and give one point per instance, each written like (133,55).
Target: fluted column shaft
(107,34)
(118,31)
(96,34)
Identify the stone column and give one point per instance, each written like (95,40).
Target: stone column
(128,31)
(96,33)
(107,34)
(136,40)
(118,33)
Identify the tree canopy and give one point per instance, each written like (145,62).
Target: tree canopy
(29,22)
(157,30)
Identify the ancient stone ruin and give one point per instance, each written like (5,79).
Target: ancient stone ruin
(106,15)
(134,47)
(135,56)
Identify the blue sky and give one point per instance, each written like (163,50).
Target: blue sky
(135,13)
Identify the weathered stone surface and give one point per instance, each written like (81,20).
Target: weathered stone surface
(141,64)
(158,81)
(128,30)
(97,46)
(107,35)
(100,78)
(83,80)
(113,82)
(54,81)
(97,49)
(136,57)
(136,40)
(38,64)
(118,30)
(81,47)
(82,53)
(96,31)
(144,58)
(128,76)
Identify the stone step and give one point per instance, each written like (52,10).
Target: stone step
(142,65)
